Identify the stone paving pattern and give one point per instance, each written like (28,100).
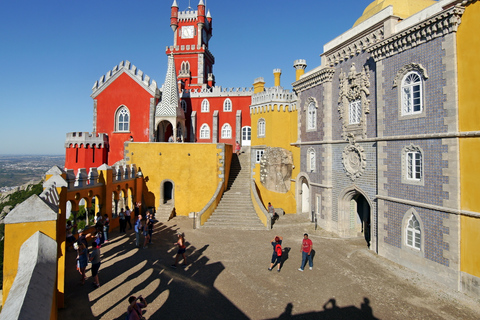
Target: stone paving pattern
(227,278)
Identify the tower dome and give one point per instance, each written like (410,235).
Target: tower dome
(401,8)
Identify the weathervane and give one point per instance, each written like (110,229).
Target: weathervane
(189,7)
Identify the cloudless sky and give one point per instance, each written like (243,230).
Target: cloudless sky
(53,51)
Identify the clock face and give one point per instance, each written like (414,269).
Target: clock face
(187,32)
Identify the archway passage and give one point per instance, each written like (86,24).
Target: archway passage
(167,192)
(360,209)
(164,131)
(305,197)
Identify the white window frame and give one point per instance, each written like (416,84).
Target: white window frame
(355,112)
(311,160)
(413,233)
(227,105)
(312,116)
(205,131)
(414,165)
(412,94)
(258,155)
(226,131)
(261,128)
(120,122)
(205,106)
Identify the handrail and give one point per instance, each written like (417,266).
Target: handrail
(207,211)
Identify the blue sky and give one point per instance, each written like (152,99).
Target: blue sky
(53,51)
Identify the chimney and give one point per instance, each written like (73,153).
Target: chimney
(258,85)
(276,74)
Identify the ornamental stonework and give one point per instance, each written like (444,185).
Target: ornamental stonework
(354,87)
(354,159)
(276,169)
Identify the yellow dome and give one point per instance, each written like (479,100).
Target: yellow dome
(401,8)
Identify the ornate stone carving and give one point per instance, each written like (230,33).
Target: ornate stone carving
(355,48)
(276,169)
(437,26)
(354,87)
(314,79)
(406,69)
(354,159)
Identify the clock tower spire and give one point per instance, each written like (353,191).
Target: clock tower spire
(192,30)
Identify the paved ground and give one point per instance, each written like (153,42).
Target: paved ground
(227,278)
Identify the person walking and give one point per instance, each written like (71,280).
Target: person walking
(106,226)
(277,253)
(128,217)
(122,220)
(95,260)
(306,250)
(138,230)
(82,261)
(150,223)
(181,250)
(134,310)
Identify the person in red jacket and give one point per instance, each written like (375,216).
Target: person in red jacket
(306,250)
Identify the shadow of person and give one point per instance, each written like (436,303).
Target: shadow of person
(285,256)
(312,253)
(287,314)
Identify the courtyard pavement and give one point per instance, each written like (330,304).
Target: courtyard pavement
(227,278)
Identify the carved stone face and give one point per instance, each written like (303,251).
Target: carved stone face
(276,169)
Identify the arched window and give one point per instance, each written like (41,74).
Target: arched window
(226,131)
(185,68)
(413,237)
(312,116)
(311,160)
(122,120)
(205,105)
(227,105)
(184,105)
(261,128)
(412,93)
(204,131)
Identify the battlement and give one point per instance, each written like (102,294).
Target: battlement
(132,70)
(171,49)
(187,15)
(217,91)
(265,100)
(100,140)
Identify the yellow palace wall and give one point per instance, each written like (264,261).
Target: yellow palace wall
(280,131)
(468,46)
(193,168)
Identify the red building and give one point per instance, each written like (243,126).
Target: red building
(128,105)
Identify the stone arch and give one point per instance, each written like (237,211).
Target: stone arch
(164,129)
(355,213)
(303,194)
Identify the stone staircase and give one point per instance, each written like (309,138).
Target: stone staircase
(164,211)
(235,210)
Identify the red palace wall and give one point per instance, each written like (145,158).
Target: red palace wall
(216,103)
(82,156)
(123,91)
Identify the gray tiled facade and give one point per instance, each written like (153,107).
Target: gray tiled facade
(379,186)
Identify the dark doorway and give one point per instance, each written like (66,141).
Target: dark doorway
(167,192)
(363,211)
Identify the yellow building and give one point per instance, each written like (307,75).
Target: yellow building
(468,46)
(275,161)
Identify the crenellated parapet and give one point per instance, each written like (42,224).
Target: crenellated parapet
(100,140)
(124,66)
(265,101)
(190,48)
(217,91)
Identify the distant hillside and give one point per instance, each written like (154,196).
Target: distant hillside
(16,170)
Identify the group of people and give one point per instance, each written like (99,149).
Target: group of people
(83,257)
(305,248)
(144,227)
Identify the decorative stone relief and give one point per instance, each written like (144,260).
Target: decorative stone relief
(276,169)
(354,87)
(406,69)
(354,159)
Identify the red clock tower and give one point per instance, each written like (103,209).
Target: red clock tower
(193,61)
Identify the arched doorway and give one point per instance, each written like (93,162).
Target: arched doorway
(246,136)
(164,131)
(167,193)
(355,213)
